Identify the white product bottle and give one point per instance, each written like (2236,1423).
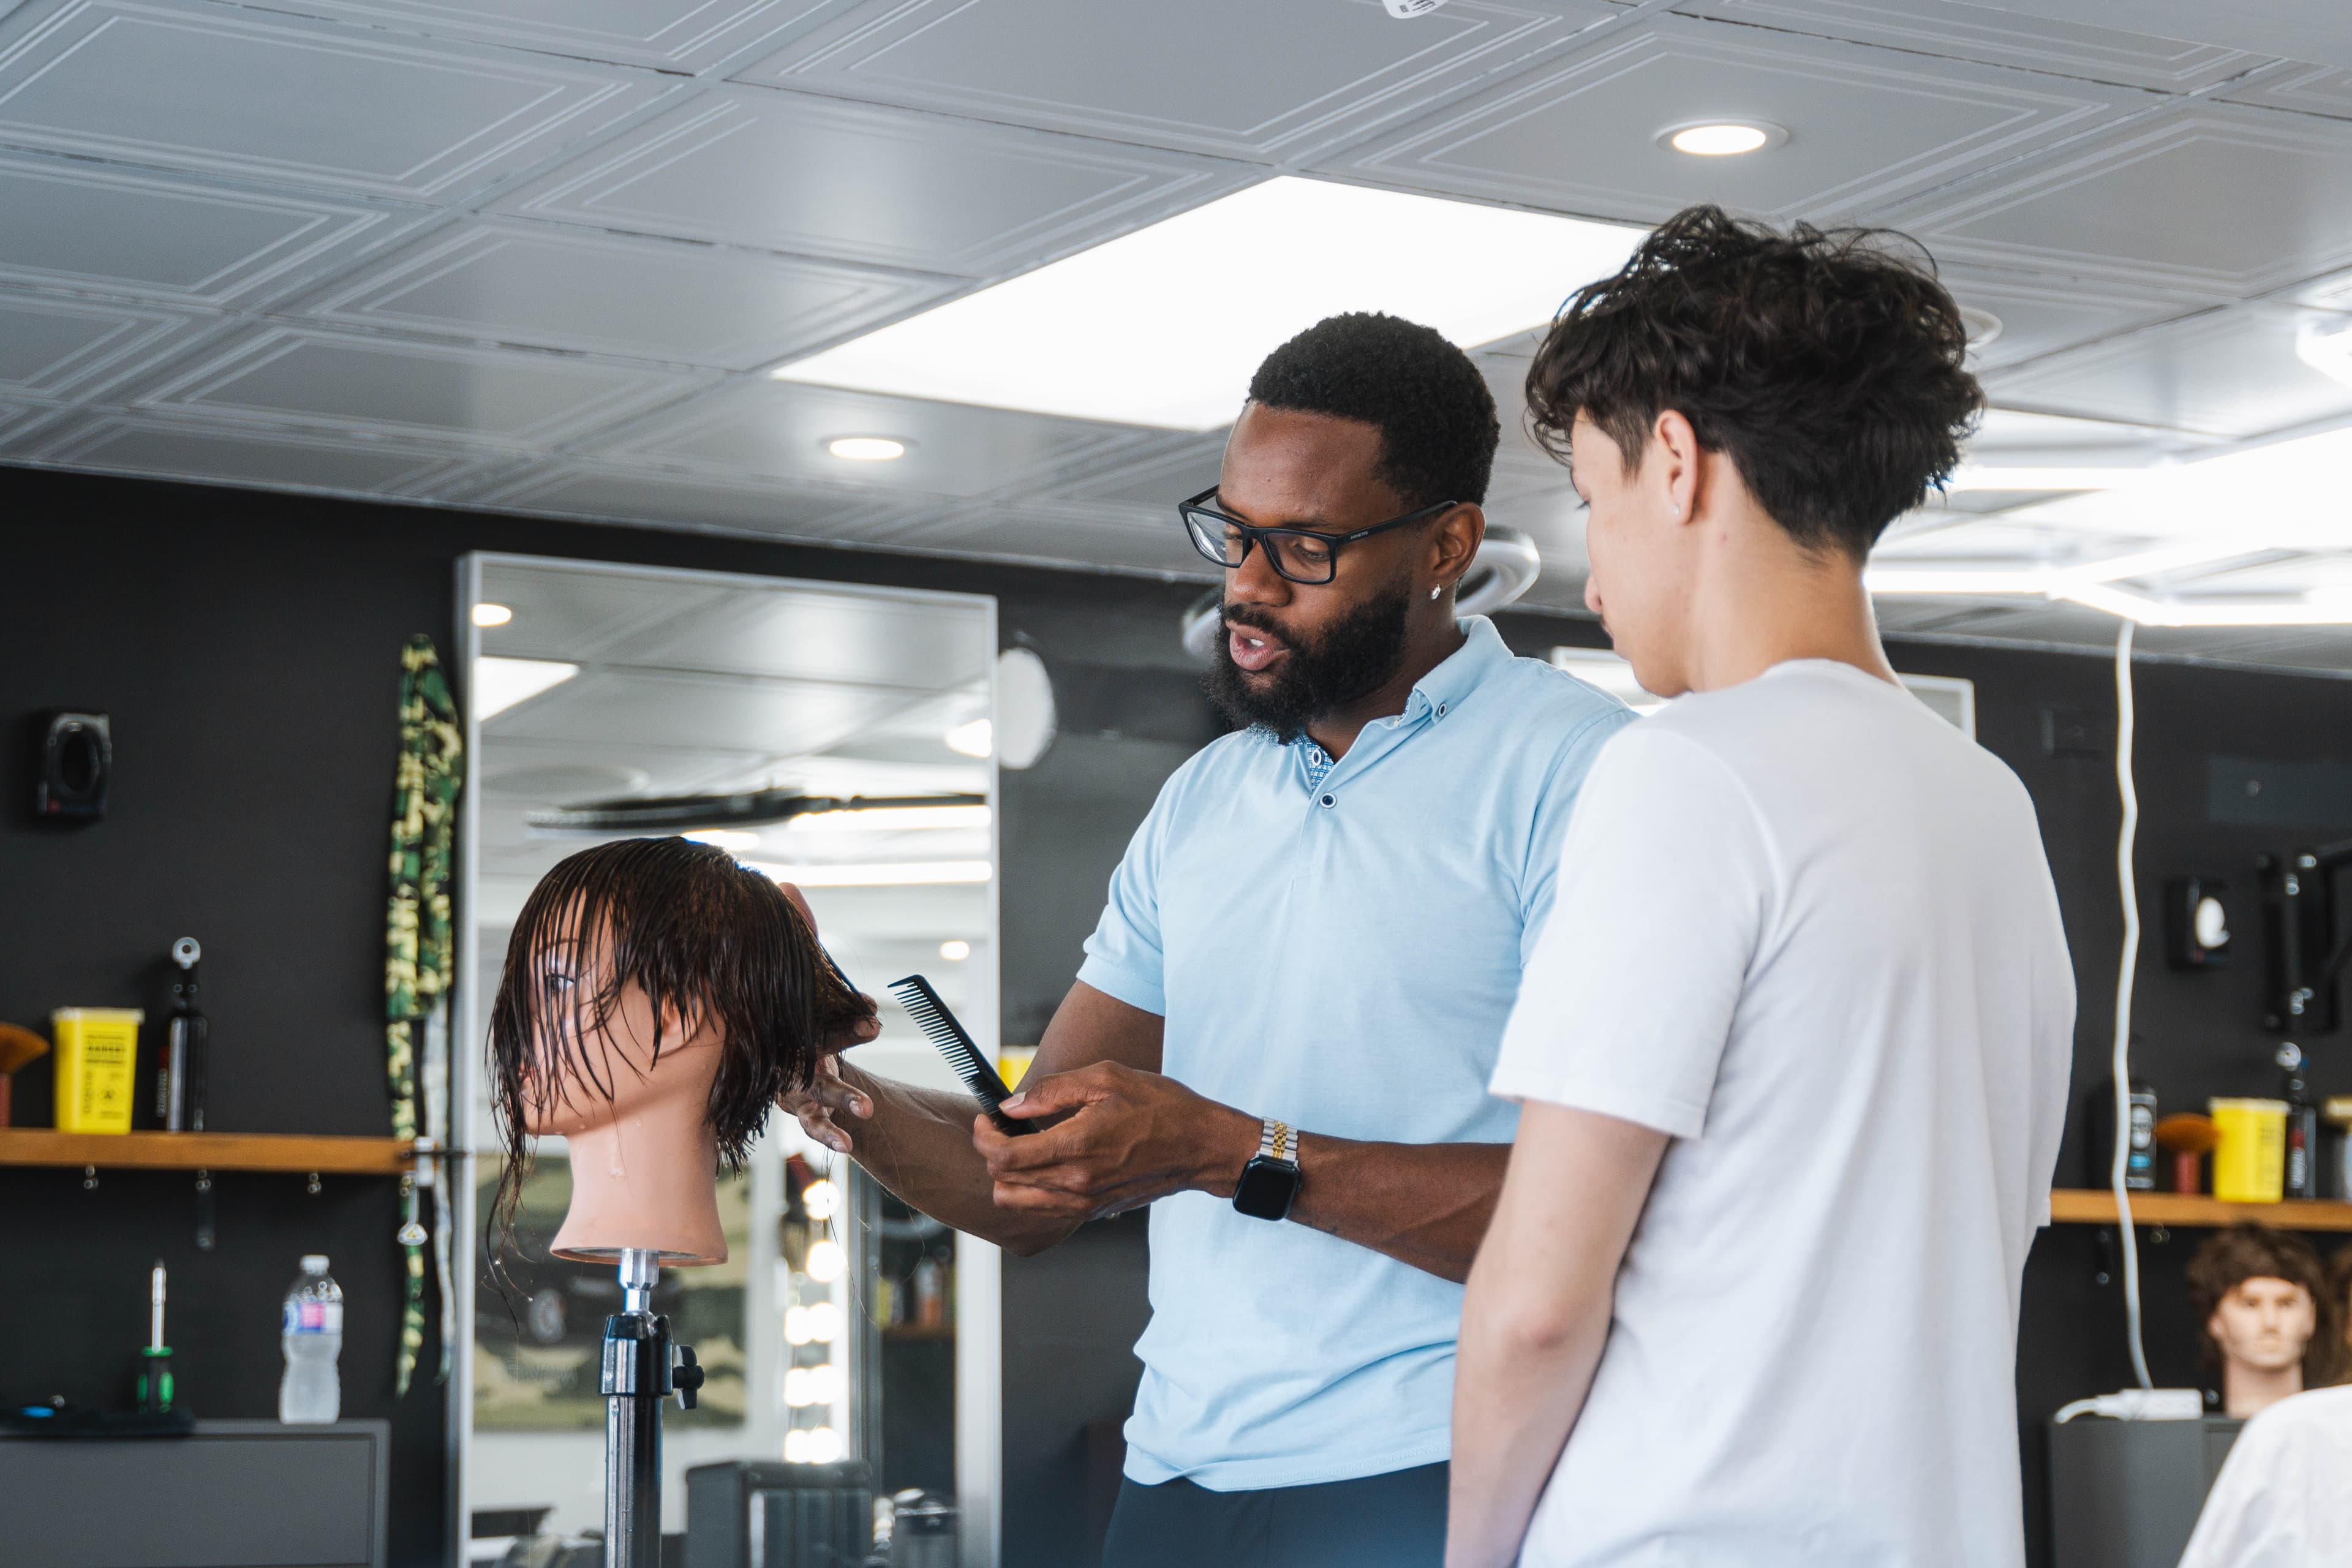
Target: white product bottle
(311,1332)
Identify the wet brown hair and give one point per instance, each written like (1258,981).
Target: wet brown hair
(705,938)
(2250,1251)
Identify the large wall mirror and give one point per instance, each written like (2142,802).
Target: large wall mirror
(842,1325)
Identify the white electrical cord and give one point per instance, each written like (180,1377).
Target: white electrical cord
(2128,969)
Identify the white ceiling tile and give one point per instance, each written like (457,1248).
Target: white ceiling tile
(2306,89)
(778,429)
(1229,77)
(82,225)
(265,458)
(751,165)
(2216,199)
(214,90)
(1864,126)
(910,646)
(611,494)
(55,345)
(366,387)
(2039,314)
(1055,535)
(1999,36)
(554,286)
(671,34)
(1155,478)
(2230,373)
(2294,29)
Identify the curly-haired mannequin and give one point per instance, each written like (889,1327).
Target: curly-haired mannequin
(657,998)
(2269,1323)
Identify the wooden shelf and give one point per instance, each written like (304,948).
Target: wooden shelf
(2096,1205)
(207,1151)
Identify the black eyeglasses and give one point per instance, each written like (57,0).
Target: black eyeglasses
(1301,555)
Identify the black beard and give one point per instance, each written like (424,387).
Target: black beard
(1357,655)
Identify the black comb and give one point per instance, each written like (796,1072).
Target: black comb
(939,1026)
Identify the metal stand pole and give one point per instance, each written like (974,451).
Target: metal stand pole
(637,1376)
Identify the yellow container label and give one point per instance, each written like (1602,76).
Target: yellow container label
(2249,1161)
(98,1055)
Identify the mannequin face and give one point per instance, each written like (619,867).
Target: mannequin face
(2264,1323)
(587,1069)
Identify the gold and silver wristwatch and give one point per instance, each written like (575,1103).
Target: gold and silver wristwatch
(1269,1183)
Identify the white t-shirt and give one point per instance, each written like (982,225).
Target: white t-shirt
(2284,1498)
(1806,928)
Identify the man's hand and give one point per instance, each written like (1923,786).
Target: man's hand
(1116,1140)
(827,1096)
(824,1107)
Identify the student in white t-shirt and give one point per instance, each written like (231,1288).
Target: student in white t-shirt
(1792,1050)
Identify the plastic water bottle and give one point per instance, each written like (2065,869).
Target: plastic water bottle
(311,1331)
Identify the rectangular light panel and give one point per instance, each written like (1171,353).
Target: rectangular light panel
(1164,326)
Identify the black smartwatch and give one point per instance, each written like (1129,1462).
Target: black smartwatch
(1269,1183)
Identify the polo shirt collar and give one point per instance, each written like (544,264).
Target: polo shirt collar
(1482,653)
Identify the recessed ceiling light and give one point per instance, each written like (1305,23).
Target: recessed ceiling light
(1722,137)
(955,951)
(867,449)
(488,615)
(1164,326)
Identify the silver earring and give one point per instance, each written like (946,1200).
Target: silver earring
(1435,589)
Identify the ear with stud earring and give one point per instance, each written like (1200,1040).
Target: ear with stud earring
(1435,589)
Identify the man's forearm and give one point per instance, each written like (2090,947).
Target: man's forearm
(1427,1205)
(917,1143)
(1520,1382)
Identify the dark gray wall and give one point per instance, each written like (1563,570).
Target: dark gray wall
(246,646)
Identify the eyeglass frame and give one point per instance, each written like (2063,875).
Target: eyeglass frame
(1253,535)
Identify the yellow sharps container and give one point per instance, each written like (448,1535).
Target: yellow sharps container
(97,1053)
(2249,1161)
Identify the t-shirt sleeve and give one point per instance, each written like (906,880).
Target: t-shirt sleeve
(1541,878)
(1124,958)
(1664,888)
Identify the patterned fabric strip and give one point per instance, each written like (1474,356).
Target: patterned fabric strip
(418,950)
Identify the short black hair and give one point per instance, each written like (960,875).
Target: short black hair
(1434,412)
(1830,365)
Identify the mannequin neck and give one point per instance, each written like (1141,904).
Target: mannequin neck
(649,1178)
(2247,1390)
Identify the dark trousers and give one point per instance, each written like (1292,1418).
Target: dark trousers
(1396,1521)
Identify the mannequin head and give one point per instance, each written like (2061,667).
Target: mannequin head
(657,998)
(2269,1323)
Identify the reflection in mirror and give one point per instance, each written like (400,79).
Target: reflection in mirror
(856,722)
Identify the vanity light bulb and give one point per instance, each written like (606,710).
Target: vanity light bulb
(826,1261)
(824,1445)
(796,1446)
(824,1385)
(955,951)
(798,1327)
(822,1198)
(824,1323)
(797,1392)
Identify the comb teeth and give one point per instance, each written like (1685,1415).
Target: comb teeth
(939,1027)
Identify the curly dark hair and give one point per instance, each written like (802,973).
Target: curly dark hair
(2249,1251)
(1435,411)
(1829,365)
(702,936)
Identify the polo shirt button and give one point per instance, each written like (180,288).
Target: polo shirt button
(1329,802)
(1441,710)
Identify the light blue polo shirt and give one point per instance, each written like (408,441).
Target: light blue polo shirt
(1337,945)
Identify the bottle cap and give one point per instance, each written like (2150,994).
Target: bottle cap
(314,1263)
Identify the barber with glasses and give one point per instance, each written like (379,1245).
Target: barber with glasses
(1281,1033)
